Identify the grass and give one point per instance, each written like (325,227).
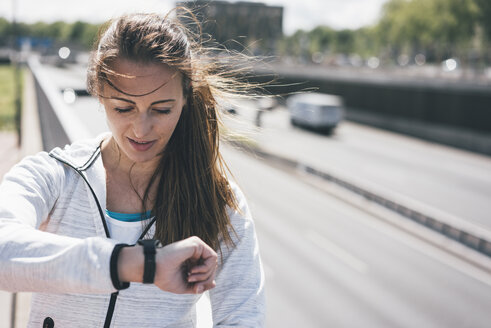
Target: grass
(7,97)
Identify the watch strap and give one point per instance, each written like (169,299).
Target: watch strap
(149,251)
(113,267)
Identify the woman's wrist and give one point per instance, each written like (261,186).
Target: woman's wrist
(130,264)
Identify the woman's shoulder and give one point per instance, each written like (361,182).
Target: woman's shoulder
(239,196)
(51,163)
(240,217)
(80,151)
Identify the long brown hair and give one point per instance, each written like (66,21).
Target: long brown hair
(193,192)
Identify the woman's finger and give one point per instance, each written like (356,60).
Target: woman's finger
(202,272)
(204,286)
(199,277)
(205,266)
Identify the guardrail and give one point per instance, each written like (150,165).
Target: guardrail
(441,110)
(58,124)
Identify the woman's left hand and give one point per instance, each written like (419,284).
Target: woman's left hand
(186,267)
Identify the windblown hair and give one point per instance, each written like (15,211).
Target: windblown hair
(193,192)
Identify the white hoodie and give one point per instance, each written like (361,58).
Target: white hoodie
(53,243)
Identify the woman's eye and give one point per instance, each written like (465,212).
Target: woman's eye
(122,109)
(162,110)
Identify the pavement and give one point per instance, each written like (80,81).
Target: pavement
(10,154)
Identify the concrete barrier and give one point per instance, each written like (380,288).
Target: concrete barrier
(435,109)
(58,125)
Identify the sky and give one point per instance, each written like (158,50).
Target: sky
(298,14)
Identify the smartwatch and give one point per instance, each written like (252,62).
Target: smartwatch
(149,250)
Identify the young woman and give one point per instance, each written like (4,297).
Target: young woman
(128,229)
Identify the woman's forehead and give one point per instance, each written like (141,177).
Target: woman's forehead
(140,69)
(136,78)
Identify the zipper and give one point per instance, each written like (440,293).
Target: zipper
(80,170)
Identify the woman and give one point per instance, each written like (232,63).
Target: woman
(70,219)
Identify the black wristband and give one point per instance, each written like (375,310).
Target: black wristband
(149,250)
(113,268)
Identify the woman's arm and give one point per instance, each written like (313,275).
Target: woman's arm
(33,260)
(238,298)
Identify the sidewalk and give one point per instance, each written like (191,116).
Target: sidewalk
(9,153)
(9,156)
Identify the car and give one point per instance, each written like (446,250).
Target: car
(318,111)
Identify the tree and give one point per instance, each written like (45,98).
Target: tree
(322,39)
(438,26)
(484,16)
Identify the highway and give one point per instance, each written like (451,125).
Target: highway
(331,264)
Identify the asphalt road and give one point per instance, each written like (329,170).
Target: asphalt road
(328,264)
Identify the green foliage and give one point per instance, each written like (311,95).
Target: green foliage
(322,39)
(484,16)
(80,33)
(436,28)
(7,97)
(4,32)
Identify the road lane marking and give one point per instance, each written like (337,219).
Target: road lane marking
(336,251)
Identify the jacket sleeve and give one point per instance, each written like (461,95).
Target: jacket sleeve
(238,299)
(35,261)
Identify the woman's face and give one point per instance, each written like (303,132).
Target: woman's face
(143,125)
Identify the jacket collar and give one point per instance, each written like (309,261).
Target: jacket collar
(84,158)
(81,154)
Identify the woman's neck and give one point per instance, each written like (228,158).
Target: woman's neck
(117,163)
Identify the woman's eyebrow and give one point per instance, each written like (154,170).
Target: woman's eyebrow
(124,99)
(154,103)
(161,101)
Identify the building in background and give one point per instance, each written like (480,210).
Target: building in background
(240,25)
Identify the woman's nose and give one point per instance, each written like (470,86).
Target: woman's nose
(142,125)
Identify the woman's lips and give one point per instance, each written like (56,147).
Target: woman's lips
(141,145)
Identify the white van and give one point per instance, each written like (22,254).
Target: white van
(315,110)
